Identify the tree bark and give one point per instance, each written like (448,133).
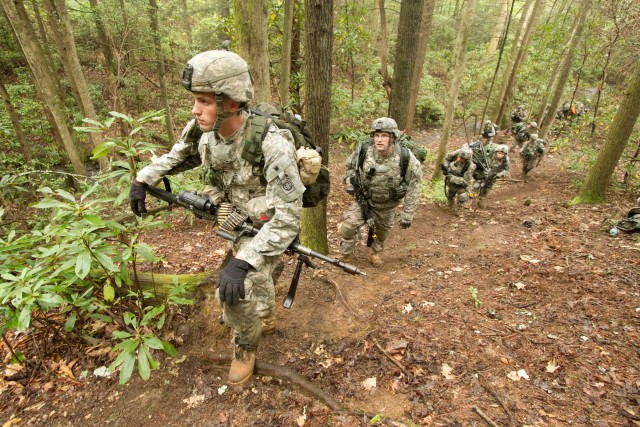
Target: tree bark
(567,61)
(459,57)
(421,51)
(498,29)
(319,48)
(25,34)
(411,12)
(15,122)
(384,50)
(162,73)
(252,29)
(593,190)
(287,35)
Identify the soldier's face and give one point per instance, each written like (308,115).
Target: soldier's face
(382,140)
(204,110)
(499,155)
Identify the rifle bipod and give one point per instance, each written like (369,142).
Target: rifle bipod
(302,259)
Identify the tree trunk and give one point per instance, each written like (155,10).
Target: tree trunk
(513,54)
(287,34)
(319,48)
(15,122)
(421,51)
(593,190)
(503,20)
(186,22)
(601,85)
(459,57)
(538,7)
(404,65)
(566,67)
(25,34)
(384,50)
(252,30)
(162,73)
(295,87)
(63,37)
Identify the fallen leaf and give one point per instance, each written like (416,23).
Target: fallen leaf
(523,374)
(407,309)
(519,285)
(530,259)
(369,383)
(552,367)
(194,401)
(446,372)
(513,376)
(504,360)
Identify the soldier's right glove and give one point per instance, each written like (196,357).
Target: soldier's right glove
(231,282)
(137,196)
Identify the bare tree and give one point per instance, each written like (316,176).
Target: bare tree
(503,21)
(287,36)
(15,122)
(384,50)
(319,48)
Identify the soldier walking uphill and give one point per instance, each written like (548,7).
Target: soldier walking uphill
(521,133)
(531,153)
(270,194)
(499,167)
(458,169)
(380,174)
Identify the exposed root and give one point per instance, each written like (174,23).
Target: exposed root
(394,361)
(484,417)
(339,294)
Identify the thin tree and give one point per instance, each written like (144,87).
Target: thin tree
(384,50)
(251,16)
(459,57)
(319,47)
(22,28)
(287,35)
(503,20)
(157,47)
(15,122)
(404,65)
(565,68)
(421,51)
(593,190)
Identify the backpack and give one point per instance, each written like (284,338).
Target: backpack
(314,175)
(406,145)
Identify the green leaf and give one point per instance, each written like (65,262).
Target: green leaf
(105,260)
(83,264)
(122,116)
(153,342)
(151,315)
(70,323)
(169,348)
(65,194)
(146,252)
(143,365)
(127,367)
(24,320)
(49,203)
(121,334)
(102,149)
(94,219)
(91,121)
(108,292)
(130,319)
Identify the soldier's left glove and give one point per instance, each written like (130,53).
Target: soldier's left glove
(405,224)
(137,195)
(231,282)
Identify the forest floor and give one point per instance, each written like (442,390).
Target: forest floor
(523,312)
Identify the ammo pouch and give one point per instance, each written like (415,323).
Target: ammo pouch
(398,193)
(317,191)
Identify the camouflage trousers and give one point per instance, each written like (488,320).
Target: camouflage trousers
(353,220)
(259,302)
(528,163)
(482,186)
(459,192)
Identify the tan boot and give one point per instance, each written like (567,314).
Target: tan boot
(375,260)
(344,257)
(241,366)
(268,325)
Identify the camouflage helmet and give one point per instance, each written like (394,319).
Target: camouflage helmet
(385,124)
(465,153)
(533,136)
(533,125)
(219,71)
(502,149)
(487,122)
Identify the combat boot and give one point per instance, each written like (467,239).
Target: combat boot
(344,257)
(241,366)
(268,325)
(375,260)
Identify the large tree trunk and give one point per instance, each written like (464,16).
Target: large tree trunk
(319,48)
(593,190)
(566,67)
(503,21)
(25,34)
(63,37)
(538,7)
(513,54)
(459,57)
(15,122)
(404,65)
(252,28)
(162,73)
(421,51)
(287,35)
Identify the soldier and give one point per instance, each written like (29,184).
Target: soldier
(385,174)
(521,132)
(222,87)
(531,153)
(489,131)
(500,167)
(458,169)
(519,115)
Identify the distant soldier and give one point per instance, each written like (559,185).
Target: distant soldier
(489,131)
(500,167)
(521,133)
(519,115)
(458,168)
(532,152)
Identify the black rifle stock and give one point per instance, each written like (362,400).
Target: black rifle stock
(365,206)
(203,208)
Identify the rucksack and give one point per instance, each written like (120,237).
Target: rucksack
(406,146)
(314,175)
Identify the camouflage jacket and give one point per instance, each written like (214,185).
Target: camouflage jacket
(459,173)
(502,168)
(272,194)
(533,148)
(387,178)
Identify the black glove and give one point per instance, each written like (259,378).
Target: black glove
(231,282)
(405,224)
(351,190)
(137,195)
(444,169)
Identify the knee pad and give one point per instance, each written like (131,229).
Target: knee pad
(347,231)
(463,197)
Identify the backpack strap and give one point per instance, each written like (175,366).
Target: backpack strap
(252,146)
(363,146)
(404,161)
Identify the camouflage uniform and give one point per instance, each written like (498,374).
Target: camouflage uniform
(482,157)
(489,131)
(379,189)
(498,169)
(271,195)
(531,153)
(459,175)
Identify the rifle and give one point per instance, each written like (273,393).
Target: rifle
(362,200)
(234,221)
